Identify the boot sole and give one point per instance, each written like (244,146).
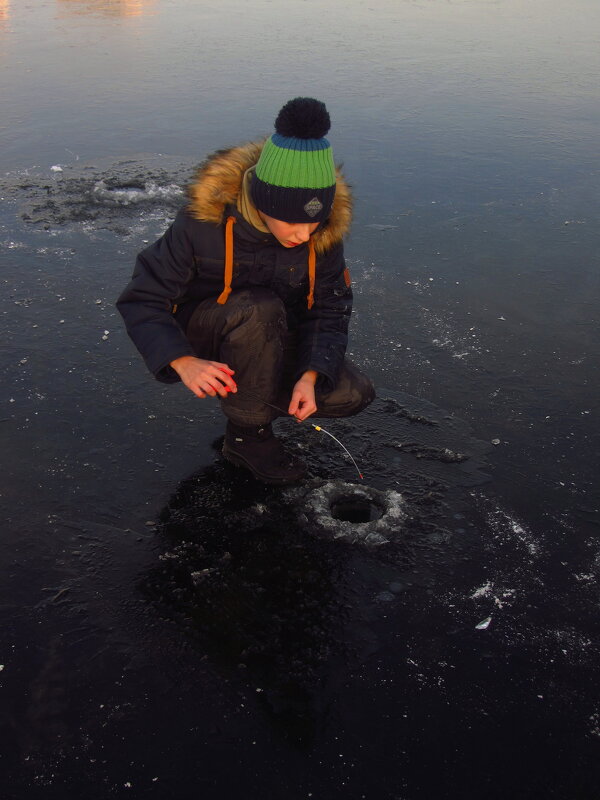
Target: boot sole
(238,461)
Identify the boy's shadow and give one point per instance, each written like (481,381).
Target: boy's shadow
(271,601)
(256,594)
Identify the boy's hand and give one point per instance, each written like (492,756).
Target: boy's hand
(303,404)
(204,377)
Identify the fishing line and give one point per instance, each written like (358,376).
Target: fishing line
(319,428)
(316,427)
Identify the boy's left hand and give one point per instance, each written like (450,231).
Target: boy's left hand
(303,403)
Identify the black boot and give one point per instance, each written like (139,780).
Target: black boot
(258,450)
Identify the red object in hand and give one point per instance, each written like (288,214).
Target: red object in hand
(227,388)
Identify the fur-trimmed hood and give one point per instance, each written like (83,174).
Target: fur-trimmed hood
(218,183)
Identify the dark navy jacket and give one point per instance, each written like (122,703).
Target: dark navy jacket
(186,265)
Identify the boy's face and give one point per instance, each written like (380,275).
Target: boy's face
(289,234)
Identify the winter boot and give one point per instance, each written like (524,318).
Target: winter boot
(260,451)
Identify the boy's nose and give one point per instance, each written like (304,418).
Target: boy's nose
(302,233)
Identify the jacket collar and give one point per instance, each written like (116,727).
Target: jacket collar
(218,183)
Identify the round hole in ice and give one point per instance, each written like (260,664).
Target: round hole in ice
(353,508)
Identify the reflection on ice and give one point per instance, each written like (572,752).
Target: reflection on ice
(108,8)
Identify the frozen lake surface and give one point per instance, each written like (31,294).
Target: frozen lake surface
(170,628)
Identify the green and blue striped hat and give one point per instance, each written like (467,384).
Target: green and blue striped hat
(294,179)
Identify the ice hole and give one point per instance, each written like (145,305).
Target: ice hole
(352,508)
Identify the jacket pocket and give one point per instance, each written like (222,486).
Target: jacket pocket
(297,275)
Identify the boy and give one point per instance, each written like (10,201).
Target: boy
(250,281)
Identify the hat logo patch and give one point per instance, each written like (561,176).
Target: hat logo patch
(313,207)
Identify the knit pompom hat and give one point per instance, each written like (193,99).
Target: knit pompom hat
(294,179)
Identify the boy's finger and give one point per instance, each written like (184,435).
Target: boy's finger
(229,386)
(228,382)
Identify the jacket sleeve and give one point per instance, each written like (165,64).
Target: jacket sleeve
(159,277)
(323,330)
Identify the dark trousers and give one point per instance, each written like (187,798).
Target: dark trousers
(249,333)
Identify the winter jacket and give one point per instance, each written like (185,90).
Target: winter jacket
(210,249)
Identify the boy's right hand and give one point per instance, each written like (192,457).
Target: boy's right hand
(204,377)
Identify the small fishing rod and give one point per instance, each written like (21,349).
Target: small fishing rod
(316,427)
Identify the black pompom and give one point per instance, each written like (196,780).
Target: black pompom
(303,118)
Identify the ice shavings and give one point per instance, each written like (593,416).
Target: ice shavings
(320,502)
(500,597)
(584,577)
(507,529)
(127,195)
(446,336)
(425,675)
(483,591)
(587,576)
(419,287)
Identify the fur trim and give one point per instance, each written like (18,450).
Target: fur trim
(218,183)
